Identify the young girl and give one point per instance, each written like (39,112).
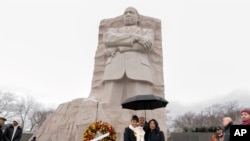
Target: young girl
(134,132)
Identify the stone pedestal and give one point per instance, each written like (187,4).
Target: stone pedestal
(71,119)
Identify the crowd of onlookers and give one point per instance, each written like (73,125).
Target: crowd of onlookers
(223,133)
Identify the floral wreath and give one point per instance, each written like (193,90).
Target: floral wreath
(99,127)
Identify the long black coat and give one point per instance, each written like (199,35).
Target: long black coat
(227,132)
(129,135)
(9,131)
(1,135)
(154,136)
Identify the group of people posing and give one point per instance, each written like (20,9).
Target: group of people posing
(12,132)
(140,130)
(223,133)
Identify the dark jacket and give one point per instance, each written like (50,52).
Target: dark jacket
(227,132)
(1,135)
(154,136)
(129,135)
(145,127)
(9,131)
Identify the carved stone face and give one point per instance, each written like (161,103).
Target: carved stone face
(130,16)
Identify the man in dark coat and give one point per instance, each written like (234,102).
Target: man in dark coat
(227,121)
(13,132)
(2,120)
(143,123)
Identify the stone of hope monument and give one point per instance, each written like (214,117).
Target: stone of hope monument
(128,62)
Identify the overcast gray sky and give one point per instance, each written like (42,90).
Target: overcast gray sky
(47,47)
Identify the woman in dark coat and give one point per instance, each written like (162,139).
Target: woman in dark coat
(134,132)
(153,133)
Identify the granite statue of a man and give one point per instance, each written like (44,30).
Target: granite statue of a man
(128,71)
(128,63)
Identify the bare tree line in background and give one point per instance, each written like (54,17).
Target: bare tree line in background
(206,119)
(26,109)
(32,114)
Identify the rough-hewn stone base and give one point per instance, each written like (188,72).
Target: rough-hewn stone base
(70,119)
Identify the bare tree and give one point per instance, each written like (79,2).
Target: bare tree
(200,119)
(214,114)
(185,122)
(24,106)
(232,110)
(209,117)
(7,103)
(37,117)
(169,121)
